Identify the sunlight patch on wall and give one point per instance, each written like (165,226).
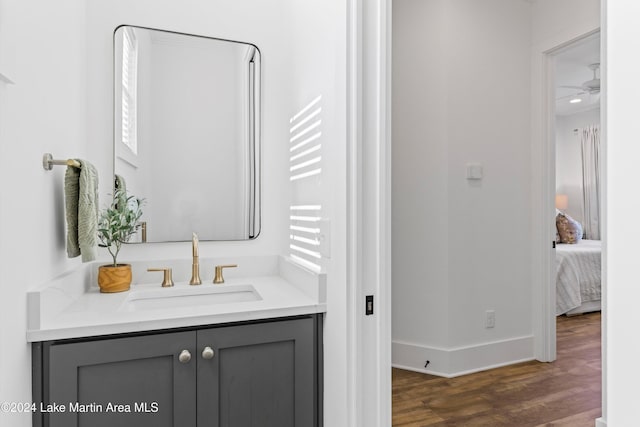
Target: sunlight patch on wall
(305,146)
(304,235)
(305,169)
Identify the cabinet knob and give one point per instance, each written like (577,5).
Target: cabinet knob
(208,353)
(184,356)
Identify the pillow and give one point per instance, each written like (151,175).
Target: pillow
(569,229)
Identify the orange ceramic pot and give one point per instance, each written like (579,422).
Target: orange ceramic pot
(114,278)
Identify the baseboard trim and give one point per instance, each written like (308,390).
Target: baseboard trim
(459,361)
(601,422)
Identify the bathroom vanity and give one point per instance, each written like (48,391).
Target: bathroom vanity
(254,374)
(143,358)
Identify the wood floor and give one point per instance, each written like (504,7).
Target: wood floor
(564,393)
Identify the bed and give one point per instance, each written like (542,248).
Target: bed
(578,278)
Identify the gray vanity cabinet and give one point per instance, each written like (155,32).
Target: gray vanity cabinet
(259,374)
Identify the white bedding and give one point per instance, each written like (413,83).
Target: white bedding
(578,276)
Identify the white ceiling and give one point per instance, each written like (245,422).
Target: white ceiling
(572,69)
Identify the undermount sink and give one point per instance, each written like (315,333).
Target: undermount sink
(180,297)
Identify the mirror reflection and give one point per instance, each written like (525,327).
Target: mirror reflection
(187,136)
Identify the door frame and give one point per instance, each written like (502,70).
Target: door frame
(543,190)
(369,211)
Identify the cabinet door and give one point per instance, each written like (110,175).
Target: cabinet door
(143,374)
(261,375)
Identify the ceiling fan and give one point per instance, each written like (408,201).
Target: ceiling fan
(592,86)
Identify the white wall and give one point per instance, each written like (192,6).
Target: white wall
(569,158)
(318,53)
(557,21)
(42,47)
(63,103)
(420,255)
(622,34)
(460,95)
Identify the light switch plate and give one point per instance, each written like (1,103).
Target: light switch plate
(474,171)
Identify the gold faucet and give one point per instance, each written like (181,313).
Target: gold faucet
(195,266)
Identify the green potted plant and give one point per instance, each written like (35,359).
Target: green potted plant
(116,225)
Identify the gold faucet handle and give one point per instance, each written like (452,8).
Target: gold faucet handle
(218,277)
(143,228)
(168,279)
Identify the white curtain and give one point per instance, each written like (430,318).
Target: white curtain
(590,142)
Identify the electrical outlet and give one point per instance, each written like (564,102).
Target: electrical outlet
(490,319)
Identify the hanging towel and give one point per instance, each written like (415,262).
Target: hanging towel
(119,183)
(81,202)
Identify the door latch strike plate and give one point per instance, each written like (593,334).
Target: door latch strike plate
(368,305)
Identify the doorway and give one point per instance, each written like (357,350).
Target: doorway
(465,219)
(578,176)
(570,274)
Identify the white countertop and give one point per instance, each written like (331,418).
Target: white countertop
(69,308)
